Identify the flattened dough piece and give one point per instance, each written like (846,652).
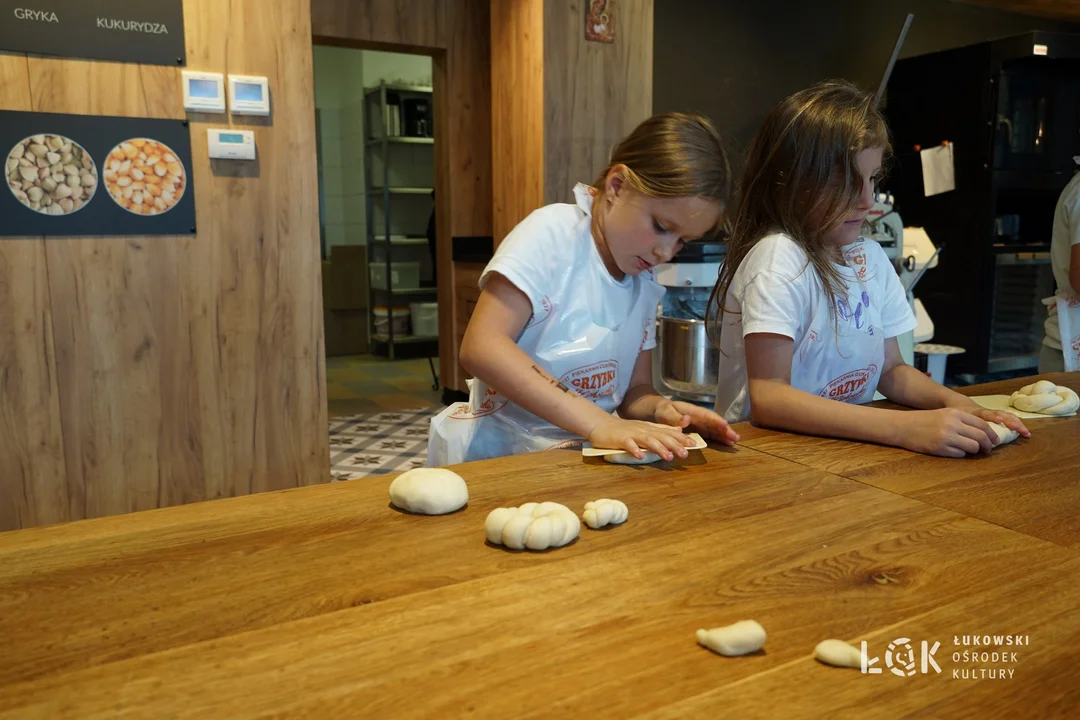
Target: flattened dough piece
(838,654)
(429,491)
(741,638)
(628,459)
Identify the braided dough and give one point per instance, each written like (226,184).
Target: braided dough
(599,513)
(1045,398)
(429,491)
(742,638)
(536,526)
(838,654)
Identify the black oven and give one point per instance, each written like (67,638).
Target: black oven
(1038,114)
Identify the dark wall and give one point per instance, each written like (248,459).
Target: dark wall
(734,59)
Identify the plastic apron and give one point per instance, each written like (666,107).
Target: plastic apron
(1068,311)
(844,363)
(569,343)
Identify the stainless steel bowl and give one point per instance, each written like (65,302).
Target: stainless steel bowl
(688,361)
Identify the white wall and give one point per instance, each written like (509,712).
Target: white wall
(339,100)
(341,74)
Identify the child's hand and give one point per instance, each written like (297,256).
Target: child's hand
(633,435)
(687,415)
(950,432)
(1004,418)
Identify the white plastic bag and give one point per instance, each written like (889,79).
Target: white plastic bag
(1068,310)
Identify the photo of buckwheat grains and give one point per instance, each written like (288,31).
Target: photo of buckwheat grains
(144,176)
(51,174)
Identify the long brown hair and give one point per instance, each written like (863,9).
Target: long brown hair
(800,178)
(673,155)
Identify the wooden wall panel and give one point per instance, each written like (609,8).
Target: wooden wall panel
(517,111)
(32,475)
(393,24)
(189,367)
(594,93)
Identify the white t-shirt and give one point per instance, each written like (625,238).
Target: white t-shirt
(838,355)
(1066,234)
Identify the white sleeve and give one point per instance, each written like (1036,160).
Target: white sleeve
(896,315)
(527,257)
(772,302)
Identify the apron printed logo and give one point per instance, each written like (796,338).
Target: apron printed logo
(849,385)
(491,403)
(593,381)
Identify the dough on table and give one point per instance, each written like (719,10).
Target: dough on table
(742,638)
(429,491)
(1046,398)
(604,511)
(1005,435)
(838,654)
(536,526)
(626,458)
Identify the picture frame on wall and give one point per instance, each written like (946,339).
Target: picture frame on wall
(600,21)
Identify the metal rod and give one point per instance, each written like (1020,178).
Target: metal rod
(926,267)
(892,60)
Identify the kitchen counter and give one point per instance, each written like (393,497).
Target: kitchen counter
(327,602)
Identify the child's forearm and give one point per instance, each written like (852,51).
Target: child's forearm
(776,404)
(508,369)
(640,403)
(905,385)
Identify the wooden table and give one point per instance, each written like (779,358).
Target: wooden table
(1031,486)
(326,602)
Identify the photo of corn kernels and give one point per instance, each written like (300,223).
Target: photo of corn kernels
(51,174)
(144,176)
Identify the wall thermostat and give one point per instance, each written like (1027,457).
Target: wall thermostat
(204,92)
(231,144)
(249,95)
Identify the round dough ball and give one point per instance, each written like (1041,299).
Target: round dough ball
(628,459)
(429,491)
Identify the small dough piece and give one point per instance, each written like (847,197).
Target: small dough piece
(1046,398)
(1005,435)
(742,638)
(599,513)
(838,654)
(536,526)
(628,459)
(429,491)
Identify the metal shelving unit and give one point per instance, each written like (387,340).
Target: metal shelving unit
(379,190)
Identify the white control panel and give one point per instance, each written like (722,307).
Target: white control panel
(249,95)
(231,144)
(204,92)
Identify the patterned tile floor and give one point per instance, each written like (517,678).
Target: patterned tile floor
(379,414)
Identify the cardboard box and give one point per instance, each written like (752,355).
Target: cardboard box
(346,332)
(348,277)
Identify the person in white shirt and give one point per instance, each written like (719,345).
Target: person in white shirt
(806,312)
(560,338)
(1065,260)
